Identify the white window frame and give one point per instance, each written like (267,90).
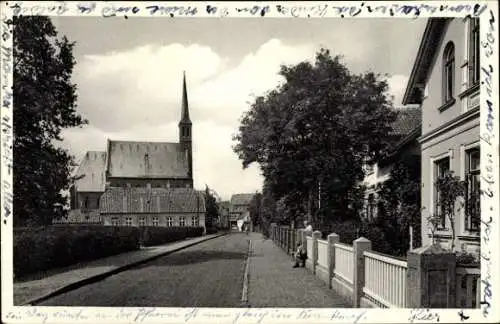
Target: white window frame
(170,221)
(432,168)
(115,221)
(448,61)
(128,221)
(467,101)
(182,221)
(142,221)
(195,220)
(156,221)
(464,149)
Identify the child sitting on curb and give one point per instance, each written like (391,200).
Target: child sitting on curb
(300,256)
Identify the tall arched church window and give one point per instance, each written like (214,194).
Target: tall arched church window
(448,72)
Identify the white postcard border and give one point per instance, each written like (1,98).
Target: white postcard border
(489,114)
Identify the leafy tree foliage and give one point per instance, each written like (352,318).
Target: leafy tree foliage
(315,130)
(212,208)
(254,209)
(44,104)
(451,202)
(399,205)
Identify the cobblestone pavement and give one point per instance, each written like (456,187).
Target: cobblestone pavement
(274,283)
(41,284)
(209,274)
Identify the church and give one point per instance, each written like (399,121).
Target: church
(137,183)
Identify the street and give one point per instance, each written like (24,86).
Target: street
(209,274)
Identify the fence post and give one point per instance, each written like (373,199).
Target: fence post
(431,278)
(359,246)
(332,240)
(300,237)
(316,235)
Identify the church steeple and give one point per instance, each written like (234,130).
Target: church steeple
(185,105)
(185,127)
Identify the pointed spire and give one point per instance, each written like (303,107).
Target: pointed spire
(185,105)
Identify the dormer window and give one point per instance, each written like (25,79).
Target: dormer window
(448,72)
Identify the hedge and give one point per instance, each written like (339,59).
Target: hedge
(153,235)
(40,249)
(211,230)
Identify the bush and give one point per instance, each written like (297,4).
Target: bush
(153,235)
(347,231)
(40,249)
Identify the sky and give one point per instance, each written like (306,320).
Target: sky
(129,77)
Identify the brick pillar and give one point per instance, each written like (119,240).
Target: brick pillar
(431,278)
(332,240)
(316,235)
(359,246)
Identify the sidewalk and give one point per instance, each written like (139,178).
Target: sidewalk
(274,283)
(28,292)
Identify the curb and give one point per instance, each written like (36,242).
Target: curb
(104,275)
(244,293)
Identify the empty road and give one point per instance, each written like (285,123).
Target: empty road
(209,274)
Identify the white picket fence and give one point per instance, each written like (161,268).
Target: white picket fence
(344,264)
(384,280)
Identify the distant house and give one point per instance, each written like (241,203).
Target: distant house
(139,183)
(405,131)
(90,183)
(445,82)
(152,207)
(239,208)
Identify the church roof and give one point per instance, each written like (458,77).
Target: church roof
(128,159)
(92,169)
(153,200)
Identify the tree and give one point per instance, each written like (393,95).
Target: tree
(44,104)
(254,209)
(450,203)
(399,207)
(212,213)
(315,130)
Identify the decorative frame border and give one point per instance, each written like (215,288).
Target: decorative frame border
(489,116)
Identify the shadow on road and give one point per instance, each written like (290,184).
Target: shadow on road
(191,257)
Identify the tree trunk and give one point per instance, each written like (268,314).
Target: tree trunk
(309,207)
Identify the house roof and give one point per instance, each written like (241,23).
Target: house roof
(405,129)
(130,159)
(425,59)
(240,202)
(406,121)
(92,168)
(241,199)
(154,200)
